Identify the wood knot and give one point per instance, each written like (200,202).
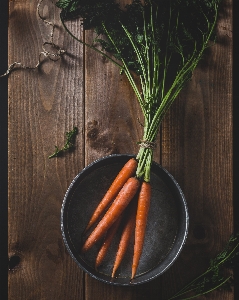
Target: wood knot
(92,130)
(93,134)
(100,140)
(13,262)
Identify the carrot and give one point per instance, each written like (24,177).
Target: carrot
(141,221)
(124,197)
(106,244)
(125,237)
(125,173)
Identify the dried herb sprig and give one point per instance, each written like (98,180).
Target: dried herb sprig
(215,276)
(70,143)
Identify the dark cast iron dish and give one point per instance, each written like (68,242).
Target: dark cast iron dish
(166,231)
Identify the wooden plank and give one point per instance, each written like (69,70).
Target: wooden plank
(113,125)
(197,150)
(43,105)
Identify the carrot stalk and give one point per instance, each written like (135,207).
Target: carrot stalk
(141,221)
(125,173)
(125,237)
(107,242)
(124,197)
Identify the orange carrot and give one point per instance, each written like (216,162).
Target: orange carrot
(125,173)
(124,197)
(141,221)
(125,237)
(107,241)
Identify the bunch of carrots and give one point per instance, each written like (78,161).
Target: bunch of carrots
(120,194)
(162,42)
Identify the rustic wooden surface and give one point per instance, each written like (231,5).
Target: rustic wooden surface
(195,145)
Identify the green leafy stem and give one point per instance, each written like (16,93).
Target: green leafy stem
(216,276)
(155,48)
(69,144)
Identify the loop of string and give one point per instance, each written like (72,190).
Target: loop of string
(54,56)
(147,144)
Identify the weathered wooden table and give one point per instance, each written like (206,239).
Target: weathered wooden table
(85,90)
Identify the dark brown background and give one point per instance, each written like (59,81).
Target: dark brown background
(195,145)
(3,149)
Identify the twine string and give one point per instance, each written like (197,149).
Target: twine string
(53,56)
(147,144)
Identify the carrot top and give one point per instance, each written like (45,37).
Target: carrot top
(159,41)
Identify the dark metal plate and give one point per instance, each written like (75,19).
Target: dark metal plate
(166,229)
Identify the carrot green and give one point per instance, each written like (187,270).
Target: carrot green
(162,41)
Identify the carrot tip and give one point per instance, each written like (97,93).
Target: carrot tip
(133,272)
(83,250)
(113,274)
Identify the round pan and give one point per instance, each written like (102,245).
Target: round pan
(166,230)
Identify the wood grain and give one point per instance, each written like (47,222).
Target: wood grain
(197,150)
(42,107)
(85,90)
